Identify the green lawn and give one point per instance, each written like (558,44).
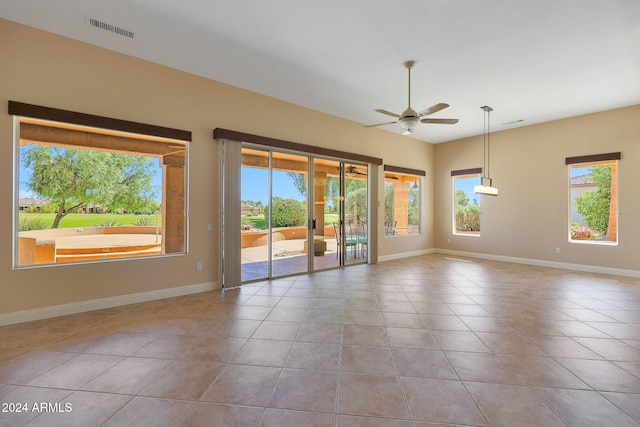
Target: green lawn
(260,222)
(330,218)
(90,220)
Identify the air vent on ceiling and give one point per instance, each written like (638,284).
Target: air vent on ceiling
(111,28)
(512,122)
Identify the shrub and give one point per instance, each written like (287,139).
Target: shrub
(143,221)
(580,232)
(49,207)
(468,218)
(595,206)
(26,223)
(286,212)
(107,223)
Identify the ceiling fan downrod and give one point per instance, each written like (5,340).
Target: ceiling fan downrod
(409,65)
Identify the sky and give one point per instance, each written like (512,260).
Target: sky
(580,171)
(255,186)
(466,185)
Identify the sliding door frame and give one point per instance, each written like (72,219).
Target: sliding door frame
(231,143)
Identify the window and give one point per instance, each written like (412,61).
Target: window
(593,183)
(466,204)
(402,209)
(90,193)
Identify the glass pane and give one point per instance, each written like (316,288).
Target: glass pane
(254,196)
(289,214)
(401,204)
(413,206)
(326,207)
(89,194)
(466,205)
(356,214)
(594,202)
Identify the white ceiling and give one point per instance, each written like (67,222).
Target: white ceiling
(530,60)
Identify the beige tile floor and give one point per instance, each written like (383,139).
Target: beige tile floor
(424,341)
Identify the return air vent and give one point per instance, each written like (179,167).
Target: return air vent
(512,122)
(111,28)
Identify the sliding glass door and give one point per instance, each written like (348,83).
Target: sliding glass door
(292,224)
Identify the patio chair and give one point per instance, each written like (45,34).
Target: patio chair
(362,239)
(351,231)
(350,241)
(390,228)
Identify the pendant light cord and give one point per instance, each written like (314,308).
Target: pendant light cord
(484,145)
(487,142)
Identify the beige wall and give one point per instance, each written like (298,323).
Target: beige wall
(529,218)
(48,70)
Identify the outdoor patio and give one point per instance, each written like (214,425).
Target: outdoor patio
(289,258)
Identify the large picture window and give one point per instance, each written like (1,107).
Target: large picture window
(402,204)
(466,204)
(90,193)
(593,183)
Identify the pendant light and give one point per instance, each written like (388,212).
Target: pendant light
(486,185)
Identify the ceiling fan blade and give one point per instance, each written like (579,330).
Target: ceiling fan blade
(388,113)
(440,121)
(380,124)
(433,109)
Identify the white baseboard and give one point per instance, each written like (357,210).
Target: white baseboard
(544,263)
(406,255)
(97,304)
(529,261)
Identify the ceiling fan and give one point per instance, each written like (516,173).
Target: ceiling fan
(352,171)
(409,118)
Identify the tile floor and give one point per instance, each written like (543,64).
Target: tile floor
(424,341)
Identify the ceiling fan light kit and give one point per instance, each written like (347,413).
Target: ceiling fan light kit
(408,124)
(409,119)
(488,190)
